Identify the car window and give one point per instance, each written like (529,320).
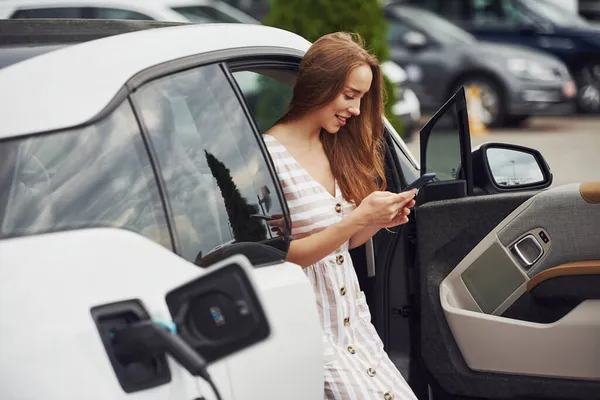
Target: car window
(50,12)
(499,13)
(443,146)
(96,176)
(118,13)
(217,180)
(204,14)
(397,30)
(452,10)
(267,93)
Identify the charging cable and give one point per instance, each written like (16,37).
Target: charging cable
(147,339)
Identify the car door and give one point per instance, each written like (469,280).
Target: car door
(221,192)
(492,290)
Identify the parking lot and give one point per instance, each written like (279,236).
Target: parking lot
(571,146)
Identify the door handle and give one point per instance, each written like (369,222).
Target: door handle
(528,251)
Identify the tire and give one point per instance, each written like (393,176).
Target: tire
(516,121)
(588,89)
(492,99)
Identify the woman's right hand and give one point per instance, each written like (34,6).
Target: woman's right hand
(384,209)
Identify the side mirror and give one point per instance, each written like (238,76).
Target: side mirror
(501,167)
(415,40)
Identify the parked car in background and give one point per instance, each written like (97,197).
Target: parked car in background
(201,11)
(439,57)
(537,24)
(590,10)
(407,108)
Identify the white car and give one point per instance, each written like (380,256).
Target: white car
(130,163)
(160,10)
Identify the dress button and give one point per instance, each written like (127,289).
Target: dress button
(388,396)
(343,291)
(339,259)
(338,208)
(346,321)
(351,350)
(371,372)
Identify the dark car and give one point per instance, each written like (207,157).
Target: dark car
(538,24)
(515,82)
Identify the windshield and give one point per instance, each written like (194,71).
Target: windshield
(555,14)
(437,27)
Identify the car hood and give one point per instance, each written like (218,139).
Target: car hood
(590,33)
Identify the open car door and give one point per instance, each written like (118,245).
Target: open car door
(506,296)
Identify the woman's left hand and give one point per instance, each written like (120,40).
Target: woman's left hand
(402,217)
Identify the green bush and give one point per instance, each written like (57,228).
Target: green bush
(315,18)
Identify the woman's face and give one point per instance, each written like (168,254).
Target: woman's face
(347,104)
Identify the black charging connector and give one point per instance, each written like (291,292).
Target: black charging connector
(146,339)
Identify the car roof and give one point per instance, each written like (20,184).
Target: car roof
(161,10)
(71,86)
(68,2)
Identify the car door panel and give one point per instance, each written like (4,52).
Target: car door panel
(447,232)
(493,276)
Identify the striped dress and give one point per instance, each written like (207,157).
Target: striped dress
(356,366)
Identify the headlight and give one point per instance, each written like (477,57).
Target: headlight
(526,69)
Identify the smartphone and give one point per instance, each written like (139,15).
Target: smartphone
(428,177)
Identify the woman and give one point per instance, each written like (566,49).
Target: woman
(328,153)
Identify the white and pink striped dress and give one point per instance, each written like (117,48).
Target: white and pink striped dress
(356,366)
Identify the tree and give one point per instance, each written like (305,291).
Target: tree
(244,227)
(315,18)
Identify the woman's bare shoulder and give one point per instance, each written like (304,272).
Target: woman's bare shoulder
(277,131)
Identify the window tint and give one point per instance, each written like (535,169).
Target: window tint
(216,176)
(267,93)
(117,13)
(90,177)
(55,12)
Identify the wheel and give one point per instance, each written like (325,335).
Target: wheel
(492,101)
(515,121)
(588,89)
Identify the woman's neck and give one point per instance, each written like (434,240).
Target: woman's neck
(303,131)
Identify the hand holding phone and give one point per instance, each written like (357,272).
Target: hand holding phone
(428,177)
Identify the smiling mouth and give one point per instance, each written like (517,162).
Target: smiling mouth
(341,119)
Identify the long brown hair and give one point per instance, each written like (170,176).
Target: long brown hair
(355,153)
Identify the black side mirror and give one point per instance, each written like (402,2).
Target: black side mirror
(501,167)
(414,40)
